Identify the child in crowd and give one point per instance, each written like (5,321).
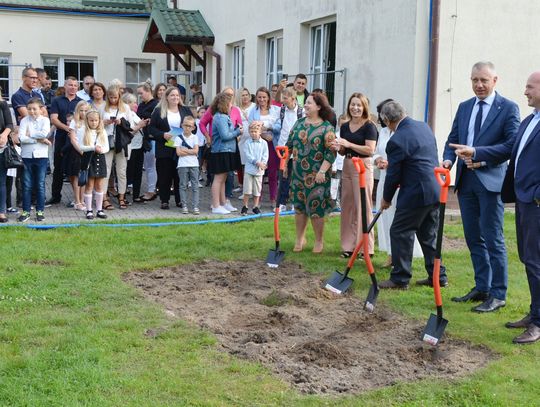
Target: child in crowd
(13,177)
(256,153)
(33,132)
(72,158)
(187,149)
(201,110)
(92,143)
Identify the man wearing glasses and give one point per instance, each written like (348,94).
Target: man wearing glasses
(25,93)
(83,93)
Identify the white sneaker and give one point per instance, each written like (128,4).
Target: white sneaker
(237,189)
(241,197)
(196,211)
(282,208)
(185,210)
(220,210)
(229,207)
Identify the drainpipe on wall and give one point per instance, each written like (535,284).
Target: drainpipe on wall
(211,51)
(435,17)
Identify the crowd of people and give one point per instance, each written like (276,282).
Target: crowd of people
(104,136)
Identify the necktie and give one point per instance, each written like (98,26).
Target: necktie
(478,120)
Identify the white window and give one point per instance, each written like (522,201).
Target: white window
(238,66)
(58,68)
(137,72)
(274,60)
(4,76)
(323,57)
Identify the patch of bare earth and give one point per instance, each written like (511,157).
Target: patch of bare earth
(317,341)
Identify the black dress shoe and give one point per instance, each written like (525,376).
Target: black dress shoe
(428,282)
(490,305)
(391,285)
(473,295)
(522,323)
(531,335)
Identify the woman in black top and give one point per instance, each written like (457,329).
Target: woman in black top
(170,112)
(358,138)
(6,126)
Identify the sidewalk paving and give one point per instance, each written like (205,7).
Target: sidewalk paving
(61,214)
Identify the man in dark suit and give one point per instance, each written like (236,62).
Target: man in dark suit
(488,119)
(522,186)
(412,156)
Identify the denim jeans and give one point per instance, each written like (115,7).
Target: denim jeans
(3,177)
(187,174)
(35,170)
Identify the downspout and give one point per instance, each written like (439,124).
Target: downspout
(211,51)
(433,67)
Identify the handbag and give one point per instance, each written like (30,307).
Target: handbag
(83,177)
(12,158)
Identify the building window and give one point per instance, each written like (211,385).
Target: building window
(274,60)
(323,57)
(137,72)
(58,68)
(238,66)
(4,76)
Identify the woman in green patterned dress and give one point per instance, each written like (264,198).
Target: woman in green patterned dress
(310,147)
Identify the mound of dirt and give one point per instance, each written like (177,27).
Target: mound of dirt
(318,341)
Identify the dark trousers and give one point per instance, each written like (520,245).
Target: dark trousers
(283,186)
(167,176)
(482,213)
(134,171)
(423,222)
(528,243)
(58,175)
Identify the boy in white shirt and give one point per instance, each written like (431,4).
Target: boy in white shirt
(33,132)
(187,149)
(256,153)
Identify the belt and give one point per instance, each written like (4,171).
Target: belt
(352,155)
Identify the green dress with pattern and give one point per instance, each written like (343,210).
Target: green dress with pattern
(309,146)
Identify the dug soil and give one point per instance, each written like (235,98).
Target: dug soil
(319,342)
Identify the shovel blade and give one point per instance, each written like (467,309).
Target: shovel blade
(371,298)
(434,329)
(274,258)
(338,283)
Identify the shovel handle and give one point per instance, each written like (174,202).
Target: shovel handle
(283,155)
(436,283)
(361,169)
(439,172)
(276,225)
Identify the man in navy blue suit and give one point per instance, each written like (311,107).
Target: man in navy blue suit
(412,156)
(522,186)
(488,119)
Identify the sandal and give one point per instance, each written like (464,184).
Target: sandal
(80,207)
(346,255)
(147,198)
(107,205)
(122,204)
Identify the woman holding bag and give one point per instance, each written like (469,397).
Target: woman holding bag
(170,112)
(6,126)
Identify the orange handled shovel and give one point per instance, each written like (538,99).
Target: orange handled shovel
(276,256)
(338,282)
(436,324)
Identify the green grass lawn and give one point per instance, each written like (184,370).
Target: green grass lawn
(72,332)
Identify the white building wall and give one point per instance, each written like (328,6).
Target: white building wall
(28,36)
(382,44)
(499,31)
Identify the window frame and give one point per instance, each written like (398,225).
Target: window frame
(6,90)
(273,55)
(61,61)
(138,62)
(238,65)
